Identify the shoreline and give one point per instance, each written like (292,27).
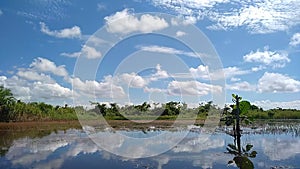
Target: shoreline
(117,124)
(76,124)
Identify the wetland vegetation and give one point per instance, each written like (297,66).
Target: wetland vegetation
(13,110)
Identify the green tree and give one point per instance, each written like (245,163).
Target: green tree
(203,109)
(6,96)
(102,108)
(6,102)
(171,108)
(143,107)
(244,106)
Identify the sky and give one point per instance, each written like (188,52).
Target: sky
(72,52)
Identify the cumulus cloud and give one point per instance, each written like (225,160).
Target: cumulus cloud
(104,89)
(86,51)
(258,17)
(19,87)
(185,88)
(132,80)
(45,65)
(73,32)
(160,74)
(232,72)
(35,83)
(270,58)
(191,88)
(276,82)
(241,86)
(49,91)
(33,89)
(35,76)
(200,72)
(295,40)
(125,22)
(203,72)
(90,52)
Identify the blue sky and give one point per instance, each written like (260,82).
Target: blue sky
(156,50)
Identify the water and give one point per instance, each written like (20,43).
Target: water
(276,146)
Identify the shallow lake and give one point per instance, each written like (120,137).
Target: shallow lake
(277,146)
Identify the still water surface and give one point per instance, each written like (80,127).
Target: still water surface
(276,146)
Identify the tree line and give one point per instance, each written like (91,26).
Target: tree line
(15,110)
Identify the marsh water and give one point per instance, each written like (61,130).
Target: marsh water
(277,146)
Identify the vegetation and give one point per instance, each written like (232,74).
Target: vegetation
(13,110)
(16,110)
(234,117)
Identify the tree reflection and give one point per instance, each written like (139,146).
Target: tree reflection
(241,158)
(241,154)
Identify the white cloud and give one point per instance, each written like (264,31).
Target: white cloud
(203,72)
(35,76)
(2,79)
(125,22)
(160,74)
(49,91)
(295,40)
(191,88)
(23,88)
(168,50)
(241,86)
(154,90)
(36,84)
(188,5)
(256,69)
(19,87)
(267,104)
(103,89)
(232,72)
(1,13)
(95,41)
(45,65)
(275,82)
(180,33)
(270,58)
(71,55)
(200,72)
(263,16)
(185,88)
(73,32)
(86,51)
(132,80)
(90,52)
